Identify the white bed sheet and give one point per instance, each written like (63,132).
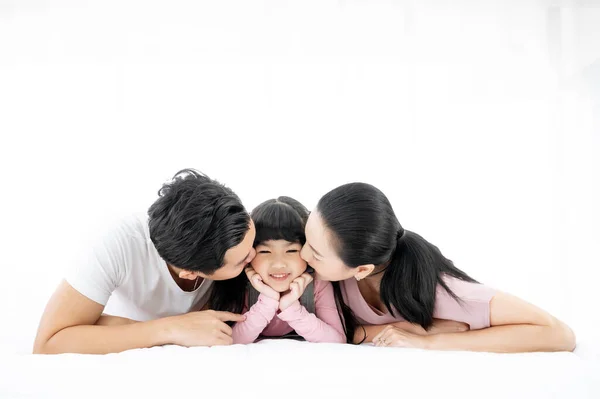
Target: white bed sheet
(290,369)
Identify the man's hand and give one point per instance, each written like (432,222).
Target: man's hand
(205,328)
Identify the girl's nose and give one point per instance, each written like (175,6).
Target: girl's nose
(278,264)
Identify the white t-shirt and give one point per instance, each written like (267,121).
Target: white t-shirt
(124,272)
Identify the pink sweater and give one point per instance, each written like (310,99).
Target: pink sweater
(474,308)
(264,318)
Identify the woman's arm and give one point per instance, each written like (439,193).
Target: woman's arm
(438,326)
(517,326)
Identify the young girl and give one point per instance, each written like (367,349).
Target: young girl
(277,294)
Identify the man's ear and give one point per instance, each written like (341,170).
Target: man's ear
(363,271)
(188,275)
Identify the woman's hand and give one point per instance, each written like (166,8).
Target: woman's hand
(259,285)
(394,336)
(297,288)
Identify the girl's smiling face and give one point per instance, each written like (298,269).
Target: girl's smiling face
(278,263)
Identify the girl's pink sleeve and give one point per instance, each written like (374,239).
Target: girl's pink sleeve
(325,326)
(257,319)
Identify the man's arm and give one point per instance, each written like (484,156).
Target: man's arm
(109,320)
(68,326)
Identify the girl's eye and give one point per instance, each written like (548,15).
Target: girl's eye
(264,251)
(291,251)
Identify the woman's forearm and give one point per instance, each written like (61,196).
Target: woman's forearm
(366,333)
(516,326)
(438,326)
(508,339)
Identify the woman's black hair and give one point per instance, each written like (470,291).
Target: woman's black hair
(282,218)
(366,230)
(349,321)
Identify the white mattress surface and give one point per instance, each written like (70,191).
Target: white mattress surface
(292,369)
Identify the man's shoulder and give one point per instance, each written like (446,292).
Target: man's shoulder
(131,226)
(114,247)
(118,239)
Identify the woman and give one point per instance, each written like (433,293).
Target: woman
(391,277)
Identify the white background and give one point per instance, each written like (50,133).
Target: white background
(474,117)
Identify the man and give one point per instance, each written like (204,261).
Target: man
(151,271)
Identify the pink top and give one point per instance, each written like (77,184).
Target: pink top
(325,326)
(474,309)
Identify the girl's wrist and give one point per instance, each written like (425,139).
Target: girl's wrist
(285,306)
(268,300)
(271,295)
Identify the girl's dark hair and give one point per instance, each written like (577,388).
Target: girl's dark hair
(282,218)
(365,230)
(195,221)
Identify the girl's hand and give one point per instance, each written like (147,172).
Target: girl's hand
(259,285)
(393,336)
(297,288)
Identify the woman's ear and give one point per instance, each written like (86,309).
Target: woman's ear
(363,271)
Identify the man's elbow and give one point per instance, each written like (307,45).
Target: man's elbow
(570,339)
(47,347)
(41,348)
(565,337)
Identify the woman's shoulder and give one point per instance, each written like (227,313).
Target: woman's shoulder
(467,290)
